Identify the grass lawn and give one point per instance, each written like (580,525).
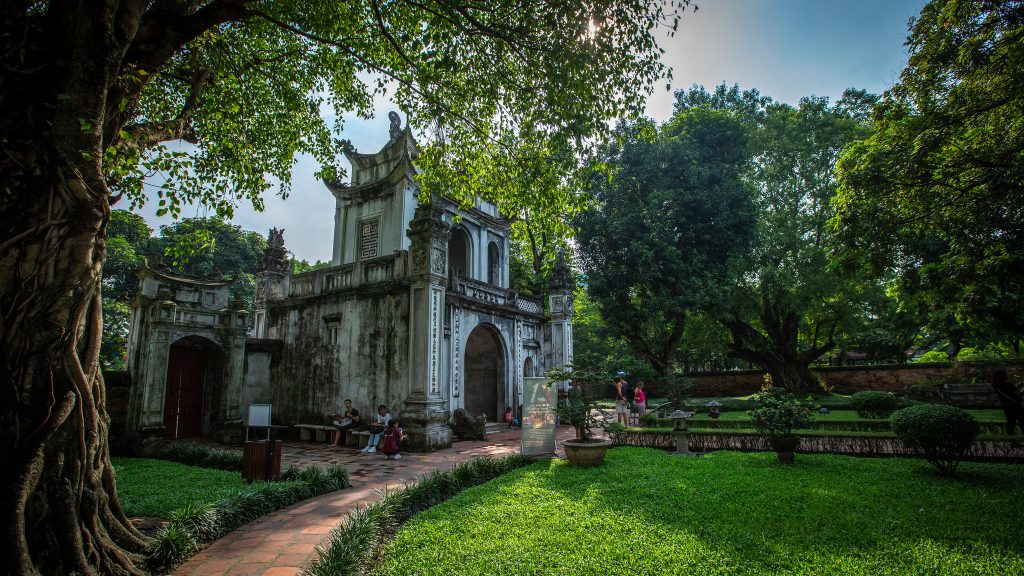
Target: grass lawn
(648,512)
(155,488)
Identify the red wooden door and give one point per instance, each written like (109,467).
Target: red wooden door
(183,398)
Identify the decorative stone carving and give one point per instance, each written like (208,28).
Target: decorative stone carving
(467,427)
(561,275)
(437,261)
(275,257)
(457,355)
(396,124)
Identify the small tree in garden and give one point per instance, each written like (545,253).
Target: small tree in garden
(576,409)
(940,433)
(778,412)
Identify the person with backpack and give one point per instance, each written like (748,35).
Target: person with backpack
(392,438)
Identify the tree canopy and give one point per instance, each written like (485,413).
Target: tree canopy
(934,194)
(665,232)
(785,309)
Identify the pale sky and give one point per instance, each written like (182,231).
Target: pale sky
(786,49)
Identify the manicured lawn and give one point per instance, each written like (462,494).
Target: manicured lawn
(647,512)
(154,488)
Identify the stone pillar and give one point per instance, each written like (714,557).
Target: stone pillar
(146,406)
(271,281)
(560,298)
(425,415)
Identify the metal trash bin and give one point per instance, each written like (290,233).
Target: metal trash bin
(261,460)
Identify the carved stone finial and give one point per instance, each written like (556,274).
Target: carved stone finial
(346,146)
(275,238)
(396,124)
(275,257)
(561,276)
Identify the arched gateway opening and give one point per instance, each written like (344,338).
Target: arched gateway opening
(194,367)
(485,373)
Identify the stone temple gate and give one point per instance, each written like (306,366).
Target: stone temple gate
(415,312)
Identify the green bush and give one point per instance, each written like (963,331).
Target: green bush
(870,404)
(779,413)
(198,455)
(940,433)
(355,545)
(196,524)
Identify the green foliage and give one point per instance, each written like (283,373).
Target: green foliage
(197,524)
(790,301)
(779,413)
(198,455)
(300,266)
(940,433)
(648,512)
(933,356)
(872,404)
(209,248)
(993,351)
(116,322)
(663,237)
(933,195)
(155,488)
(355,546)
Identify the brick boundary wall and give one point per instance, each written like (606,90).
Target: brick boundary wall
(850,379)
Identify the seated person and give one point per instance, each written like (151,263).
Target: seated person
(346,421)
(378,428)
(392,438)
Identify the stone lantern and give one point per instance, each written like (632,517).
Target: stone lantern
(713,409)
(682,432)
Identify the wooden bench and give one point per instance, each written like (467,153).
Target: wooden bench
(359,438)
(306,431)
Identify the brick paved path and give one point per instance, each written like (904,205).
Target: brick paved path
(282,542)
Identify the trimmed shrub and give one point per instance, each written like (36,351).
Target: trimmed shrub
(196,524)
(941,434)
(197,455)
(870,404)
(355,546)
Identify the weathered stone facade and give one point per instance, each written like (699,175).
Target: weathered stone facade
(186,353)
(415,312)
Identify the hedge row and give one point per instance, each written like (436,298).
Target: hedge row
(877,444)
(194,525)
(355,546)
(858,425)
(196,455)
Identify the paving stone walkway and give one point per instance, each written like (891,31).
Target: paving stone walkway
(282,542)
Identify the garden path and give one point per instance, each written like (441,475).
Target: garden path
(282,542)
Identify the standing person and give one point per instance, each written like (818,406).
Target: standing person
(621,401)
(378,428)
(389,444)
(640,400)
(345,421)
(1009,400)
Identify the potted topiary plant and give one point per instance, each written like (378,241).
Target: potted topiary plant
(585,450)
(777,416)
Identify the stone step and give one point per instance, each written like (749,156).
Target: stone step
(492,427)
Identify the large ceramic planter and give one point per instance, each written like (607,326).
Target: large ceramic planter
(785,447)
(586,453)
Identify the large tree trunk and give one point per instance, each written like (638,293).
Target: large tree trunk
(59,497)
(62,511)
(777,352)
(71,76)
